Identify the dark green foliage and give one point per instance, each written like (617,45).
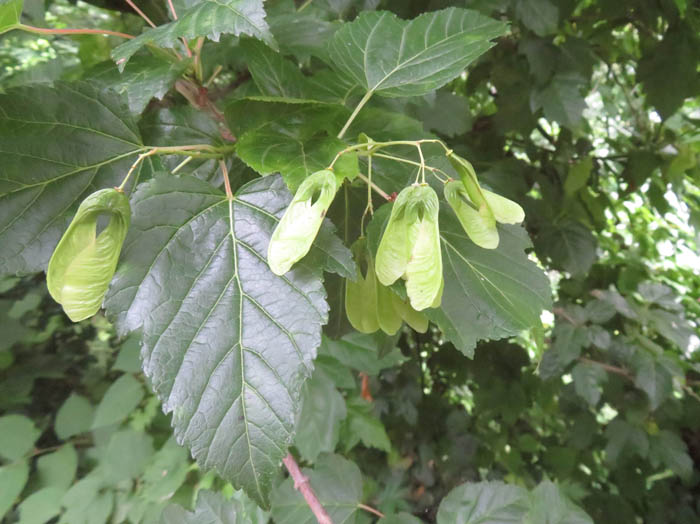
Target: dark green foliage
(178,405)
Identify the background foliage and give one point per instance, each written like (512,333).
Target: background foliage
(584,112)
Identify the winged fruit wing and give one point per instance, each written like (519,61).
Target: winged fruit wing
(424,270)
(480,227)
(83,263)
(361,295)
(300,223)
(396,244)
(504,210)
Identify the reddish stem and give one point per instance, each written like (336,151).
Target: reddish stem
(140,13)
(48,31)
(301,484)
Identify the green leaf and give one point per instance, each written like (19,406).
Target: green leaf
(570,245)
(362,425)
(210,18)
(561,100)
(540,16)
(551,506)
(145,77)
(394,57)
(337,483)
(118,402)
(323,408)
(654,379)
(10,13)
(669,449)
(578,176)
(41,506)
(482,503)
(74,417)
(587,381)
(275,76)
(58,469)
(361,352)
(293,146)
(227,344)
(86,503)
(136,445)
(625,439)
(300,32)
(655,69)
(18,436)
(83,263)
(13,477)
(489,293)
(54,154)
(211,508)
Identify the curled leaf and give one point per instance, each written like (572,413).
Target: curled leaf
(83,263)
(410,246)
(300,223)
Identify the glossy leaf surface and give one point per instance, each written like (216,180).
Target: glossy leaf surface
(227,344)
(394,57)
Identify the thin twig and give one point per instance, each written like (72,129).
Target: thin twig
(140,13)
(374,186)
(301,484)
(227,183)
(608,367)
(371,510)
(45,30)
(184,40)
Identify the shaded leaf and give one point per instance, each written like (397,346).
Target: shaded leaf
(74,416)
(17,436)
(210,18)
(337,483)
(483,502)
(551,506)
(118,402)
(53,155)
(496,292)
(211,508)
(13,477)
(362,425)
(323,408)
(145,77)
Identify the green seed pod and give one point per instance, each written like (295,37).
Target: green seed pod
(410,246)
(361,296)
(413,318)
(300,223)
(468,177)
(479,225)
(389,317)
(504,210)
(83,263)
